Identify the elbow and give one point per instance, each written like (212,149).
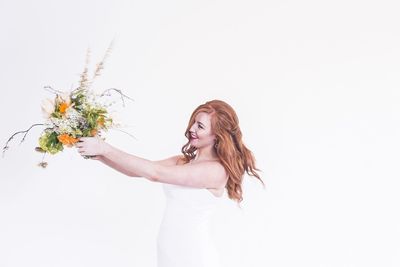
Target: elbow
(152,179)
(131,174)
(156,173)
(134,175)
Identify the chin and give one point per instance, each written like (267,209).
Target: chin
(192,143)
(197,145)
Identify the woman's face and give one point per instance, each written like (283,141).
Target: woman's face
(200,133)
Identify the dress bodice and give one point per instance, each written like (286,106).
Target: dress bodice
(190,195)
(189,203)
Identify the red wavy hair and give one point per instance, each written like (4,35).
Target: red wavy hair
(230,149)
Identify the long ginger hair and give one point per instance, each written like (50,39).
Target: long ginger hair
(229,147)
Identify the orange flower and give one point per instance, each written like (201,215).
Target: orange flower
(67,140)
(63,107)
(101,121)
(93,132)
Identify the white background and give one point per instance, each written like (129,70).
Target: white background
(315,85)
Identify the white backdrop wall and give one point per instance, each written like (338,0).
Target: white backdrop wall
(315,85)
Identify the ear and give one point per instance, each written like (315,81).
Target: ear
(216,142)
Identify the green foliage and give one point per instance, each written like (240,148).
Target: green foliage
(78,97)
(92,116)
(50,143)
(56,114)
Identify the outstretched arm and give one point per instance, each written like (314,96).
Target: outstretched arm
(209,174)
(166,162)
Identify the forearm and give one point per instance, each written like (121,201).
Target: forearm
(127,163)
(116,167)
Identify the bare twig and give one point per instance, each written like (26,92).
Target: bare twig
(43,163)
(131,135)
(52,90)
(107,92)
(6,147)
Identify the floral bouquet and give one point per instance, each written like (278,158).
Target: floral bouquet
(71,115)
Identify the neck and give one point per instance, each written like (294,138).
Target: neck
(206,153)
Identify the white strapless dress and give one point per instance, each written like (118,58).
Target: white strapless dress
(183,239)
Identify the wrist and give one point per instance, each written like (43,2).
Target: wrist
(105,150)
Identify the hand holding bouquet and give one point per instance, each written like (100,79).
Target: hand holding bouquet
(92,147)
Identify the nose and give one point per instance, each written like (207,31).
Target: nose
(192,129)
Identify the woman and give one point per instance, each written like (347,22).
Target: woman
(214,159)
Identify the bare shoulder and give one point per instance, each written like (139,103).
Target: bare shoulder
(213,169)
(212,164)
(171,161)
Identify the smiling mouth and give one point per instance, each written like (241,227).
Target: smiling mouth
(192,136)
